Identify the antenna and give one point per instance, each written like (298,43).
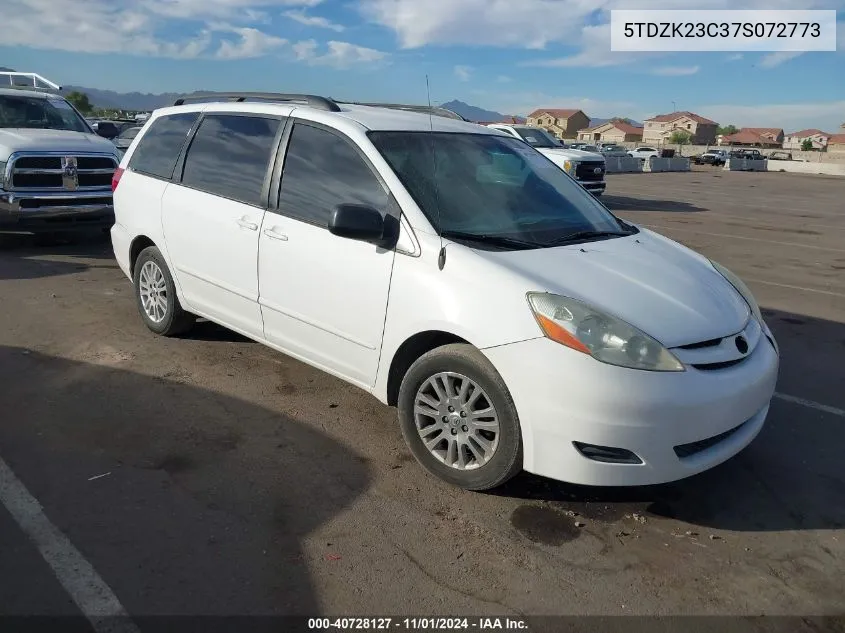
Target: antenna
(441,258)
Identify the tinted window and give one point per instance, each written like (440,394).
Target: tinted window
(38,112)
(159,148)
(490,185)
(323,170)
(229,156)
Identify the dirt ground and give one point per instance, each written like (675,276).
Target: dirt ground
(210,475)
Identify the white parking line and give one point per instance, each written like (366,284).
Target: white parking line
(809,403)
(90,592)
(791,287)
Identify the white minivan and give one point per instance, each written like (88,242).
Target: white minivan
(454,272)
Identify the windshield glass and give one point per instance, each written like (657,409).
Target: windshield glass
(23,111)
(537,137)
(492,187)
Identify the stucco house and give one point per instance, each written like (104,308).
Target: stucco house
(755,136)
(836,143)
(612,131)
(795,140)
(659,129)
(560,122)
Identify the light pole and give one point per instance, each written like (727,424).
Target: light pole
(674,107)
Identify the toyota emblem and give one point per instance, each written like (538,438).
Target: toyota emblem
(597,170)
(742,344)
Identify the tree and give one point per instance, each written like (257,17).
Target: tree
(728,129)
(680,137)
(80,101)
(807,145)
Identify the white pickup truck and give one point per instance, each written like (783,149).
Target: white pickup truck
(55,171)
(588,168)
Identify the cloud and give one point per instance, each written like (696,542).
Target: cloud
(794,116)
(503,79)
(735,57)
(675,71)
(337,55)
(146,29)
(251,43)
(463,72)
(313,20)
(773,60)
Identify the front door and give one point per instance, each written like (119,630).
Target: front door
(212,218)
(324,298)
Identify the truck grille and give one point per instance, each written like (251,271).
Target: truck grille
(587,171)
(61,173)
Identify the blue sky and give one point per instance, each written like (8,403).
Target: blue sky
(507,55)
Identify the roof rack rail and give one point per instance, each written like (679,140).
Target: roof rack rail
(314,101)
(436,110)
(27,81)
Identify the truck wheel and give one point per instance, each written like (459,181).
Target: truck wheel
(155,295)
(459,420)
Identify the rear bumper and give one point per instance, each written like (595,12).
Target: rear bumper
(52,211)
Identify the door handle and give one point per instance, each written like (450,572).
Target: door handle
(246,224)
(273,235)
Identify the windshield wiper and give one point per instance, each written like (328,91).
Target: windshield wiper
(496,240)
(578,236)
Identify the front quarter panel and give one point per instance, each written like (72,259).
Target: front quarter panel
(471,298)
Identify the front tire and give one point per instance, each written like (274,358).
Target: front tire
(458,418)
(155,295)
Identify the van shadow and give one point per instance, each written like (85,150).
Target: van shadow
(625,203)
(790,478)
(203,501)
(53,254)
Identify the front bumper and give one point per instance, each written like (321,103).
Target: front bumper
(595,186)
(678,424)
(54,211)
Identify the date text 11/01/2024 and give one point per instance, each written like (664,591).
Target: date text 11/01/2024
(417,624)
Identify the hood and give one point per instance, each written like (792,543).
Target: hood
(658,286)
(32,139)
(571,154)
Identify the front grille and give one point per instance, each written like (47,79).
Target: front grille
(713,342)
(688,450)
(722,365)
(586,171)
(30,172)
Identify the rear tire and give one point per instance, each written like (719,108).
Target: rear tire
(155,295)
(458,418)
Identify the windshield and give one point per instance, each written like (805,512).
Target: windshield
(486,186)
(23,111)
(537,137)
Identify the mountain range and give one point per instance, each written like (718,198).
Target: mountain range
(133,101)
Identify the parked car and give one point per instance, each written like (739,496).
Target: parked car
(780,156)
(587,168)
(453,272)
(106,129)
(578,145)
(125,138)
(712,157)
(613,150)
(751,154)
(644,153)
(55,171)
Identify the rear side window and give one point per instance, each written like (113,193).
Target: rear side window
(229,156)
(323,170)
(159,148)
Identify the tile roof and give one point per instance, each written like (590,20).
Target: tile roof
(555,112)
(674,116)
(754,135)
(807,133)
(627,128)
(836,139)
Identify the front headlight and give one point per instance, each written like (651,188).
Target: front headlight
(604,337)
(741,288)
(569,166)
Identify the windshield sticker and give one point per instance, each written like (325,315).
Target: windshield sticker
(531,139)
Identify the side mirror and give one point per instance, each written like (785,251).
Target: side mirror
(364,224)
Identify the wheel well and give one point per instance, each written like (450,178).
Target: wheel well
(138,244)
(409,352)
